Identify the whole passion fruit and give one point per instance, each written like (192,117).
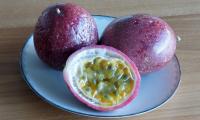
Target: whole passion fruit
(102,77)
(61,30)
(149,41)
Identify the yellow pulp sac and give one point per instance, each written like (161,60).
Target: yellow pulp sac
(106,81)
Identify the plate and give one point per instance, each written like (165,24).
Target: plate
(156,87)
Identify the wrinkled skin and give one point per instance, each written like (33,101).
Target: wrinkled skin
(149,41)
(61,30)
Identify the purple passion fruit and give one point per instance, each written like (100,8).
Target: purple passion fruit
(61,30)
(149,41)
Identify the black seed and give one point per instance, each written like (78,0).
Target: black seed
(128,81)
(106,96)
(116,84)
(116,93)
(109,67)
(124,77)
(87,89)
(82,77)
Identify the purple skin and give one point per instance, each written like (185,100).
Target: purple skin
(61,30)
(149,41)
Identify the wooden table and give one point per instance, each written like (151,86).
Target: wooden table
(17,19)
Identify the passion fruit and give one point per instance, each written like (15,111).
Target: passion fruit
(149,41)
(61,30)
(102,77)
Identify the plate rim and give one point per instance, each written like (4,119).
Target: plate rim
(22,72)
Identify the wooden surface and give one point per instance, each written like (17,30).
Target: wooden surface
(17,19)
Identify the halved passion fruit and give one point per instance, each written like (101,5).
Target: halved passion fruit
(102,77)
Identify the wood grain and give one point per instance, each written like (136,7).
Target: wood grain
(25,13)
(18,102)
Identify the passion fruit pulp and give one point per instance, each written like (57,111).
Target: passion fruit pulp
(102,77)
(105,81)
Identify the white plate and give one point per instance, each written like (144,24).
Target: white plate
(156,88)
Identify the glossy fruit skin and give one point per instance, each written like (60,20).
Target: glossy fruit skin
(133,67)
(61,30)
(149,41)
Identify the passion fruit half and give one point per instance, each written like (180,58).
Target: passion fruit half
(102,77)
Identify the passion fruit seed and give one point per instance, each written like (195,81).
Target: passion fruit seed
(108,81)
